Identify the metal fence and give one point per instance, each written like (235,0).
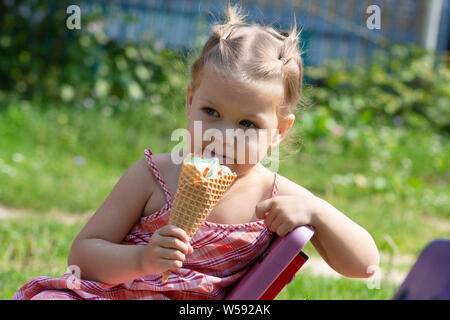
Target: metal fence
(331,29)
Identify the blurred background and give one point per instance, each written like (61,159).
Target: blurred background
(79,106)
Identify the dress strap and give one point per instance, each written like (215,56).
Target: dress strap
(151,163)
(275,184)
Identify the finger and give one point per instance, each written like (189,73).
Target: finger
(174,243)
(190,249)
(284,229)
(169,264)
(171,254)
(174,231)
(268,221)
(263,207)
(276,223)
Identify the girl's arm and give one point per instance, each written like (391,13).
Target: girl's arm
(342,243)
(97,250)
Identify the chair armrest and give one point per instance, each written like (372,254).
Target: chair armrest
(266,270)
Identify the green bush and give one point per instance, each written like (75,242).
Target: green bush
(46,63)
(404,85)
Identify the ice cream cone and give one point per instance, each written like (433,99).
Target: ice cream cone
(195,198)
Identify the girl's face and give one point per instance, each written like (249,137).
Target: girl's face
(231,119)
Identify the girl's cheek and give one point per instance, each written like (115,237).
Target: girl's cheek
(256,151)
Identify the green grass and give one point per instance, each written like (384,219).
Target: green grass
(307,287)
(40,150)
(391,180)
(33,245)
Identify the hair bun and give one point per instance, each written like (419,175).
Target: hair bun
(235,15)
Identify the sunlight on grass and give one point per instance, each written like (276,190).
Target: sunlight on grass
(307,287)
(33,245)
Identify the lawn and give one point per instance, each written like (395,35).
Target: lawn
(60,163)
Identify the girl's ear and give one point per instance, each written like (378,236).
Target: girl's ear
(283,129)
(188,98)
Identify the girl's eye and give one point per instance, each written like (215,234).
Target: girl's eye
(210,111)
(248,124)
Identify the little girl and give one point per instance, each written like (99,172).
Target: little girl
(247,77)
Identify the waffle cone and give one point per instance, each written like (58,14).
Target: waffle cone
(196,196)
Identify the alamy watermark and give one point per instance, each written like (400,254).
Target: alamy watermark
(74,20)
(74,281)
(374,282)
(374,20)
(251,145)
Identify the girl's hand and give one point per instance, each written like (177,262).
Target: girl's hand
(166,250)
(282,214)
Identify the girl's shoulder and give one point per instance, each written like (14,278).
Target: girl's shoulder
(161,162)
(163,168)
(287,187)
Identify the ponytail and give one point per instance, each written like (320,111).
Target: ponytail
(255,53)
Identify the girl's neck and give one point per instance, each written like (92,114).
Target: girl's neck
(256,169)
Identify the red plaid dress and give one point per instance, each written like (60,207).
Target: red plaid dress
(222,254)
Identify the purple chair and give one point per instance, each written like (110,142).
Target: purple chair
(429,278)
(278,265)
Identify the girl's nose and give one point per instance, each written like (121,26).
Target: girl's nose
(220,138)
(227,144)
(223,132)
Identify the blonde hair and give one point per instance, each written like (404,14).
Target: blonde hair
(254,53)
